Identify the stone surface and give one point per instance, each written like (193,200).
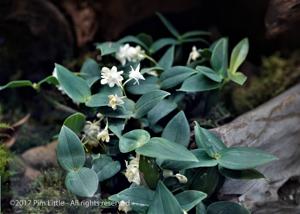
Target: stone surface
(275,128)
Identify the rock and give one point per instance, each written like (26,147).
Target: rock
(41,156)
(274,128)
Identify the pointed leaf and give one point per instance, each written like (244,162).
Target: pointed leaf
(164,202)
(241,174)
(211,74)
(145,86)
(17,84)
(133,140)
(174,76)
(107,48)
(164,149)
(198,83)
(219,57)
(70,152)
(168,25)
(161,43)
(238,55)
(75,87)
(148,101)
(244,158)
(162,109)
(167,59)
(178,130)
(90,71)
(208,141)
(97,100)
(190,198)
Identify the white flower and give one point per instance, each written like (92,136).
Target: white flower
(129,53)
(135,74)
(114,101)
(111,76)
(132,172)
(91,130)
(181,178)
(167,173)
(124,206)
(103,135)
(194,54)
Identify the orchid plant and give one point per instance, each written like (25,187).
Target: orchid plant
(132,121)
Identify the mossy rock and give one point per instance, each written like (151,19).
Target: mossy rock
(277,75)
(50,187)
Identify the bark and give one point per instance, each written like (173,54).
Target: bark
(274,128)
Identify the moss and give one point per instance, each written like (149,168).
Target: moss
(277,75)
(5,157)
(50,187)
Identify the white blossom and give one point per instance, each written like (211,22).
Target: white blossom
(135,74)
(181,178)
(129,53)
(132,171)
(167,173)
(194,53)
(91,131)
(104,135)
(111,76)
(114,101)
(124,206)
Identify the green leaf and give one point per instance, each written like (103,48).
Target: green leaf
(17,84)
(208,141)
(168,25)
(83,182)
(97,100)
(247,158)
(178,130)
(198,83)
(163,149)
(195,33)
(51,80)
(226,207)
(75,87)
(145,38)
(105,167)
(162,109)
(190,198)
(203,161)
(205,180)
(116,126)
(136,194)
(200,209)
(133,39)
(174,76)
(161,43)
(211,74)
(90,71)
(166,61)
(70,152)
(124,111)
(145,86)
(219,57)
(75,122)
(149,170)
(107,48)
(238,78)
(164,202)
(146,102)
(133,140)
(238,55)
(241,174)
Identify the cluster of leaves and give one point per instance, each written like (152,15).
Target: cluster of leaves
(151,123)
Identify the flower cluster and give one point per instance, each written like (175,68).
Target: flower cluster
(127,53)
(132,171)
(93,133)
